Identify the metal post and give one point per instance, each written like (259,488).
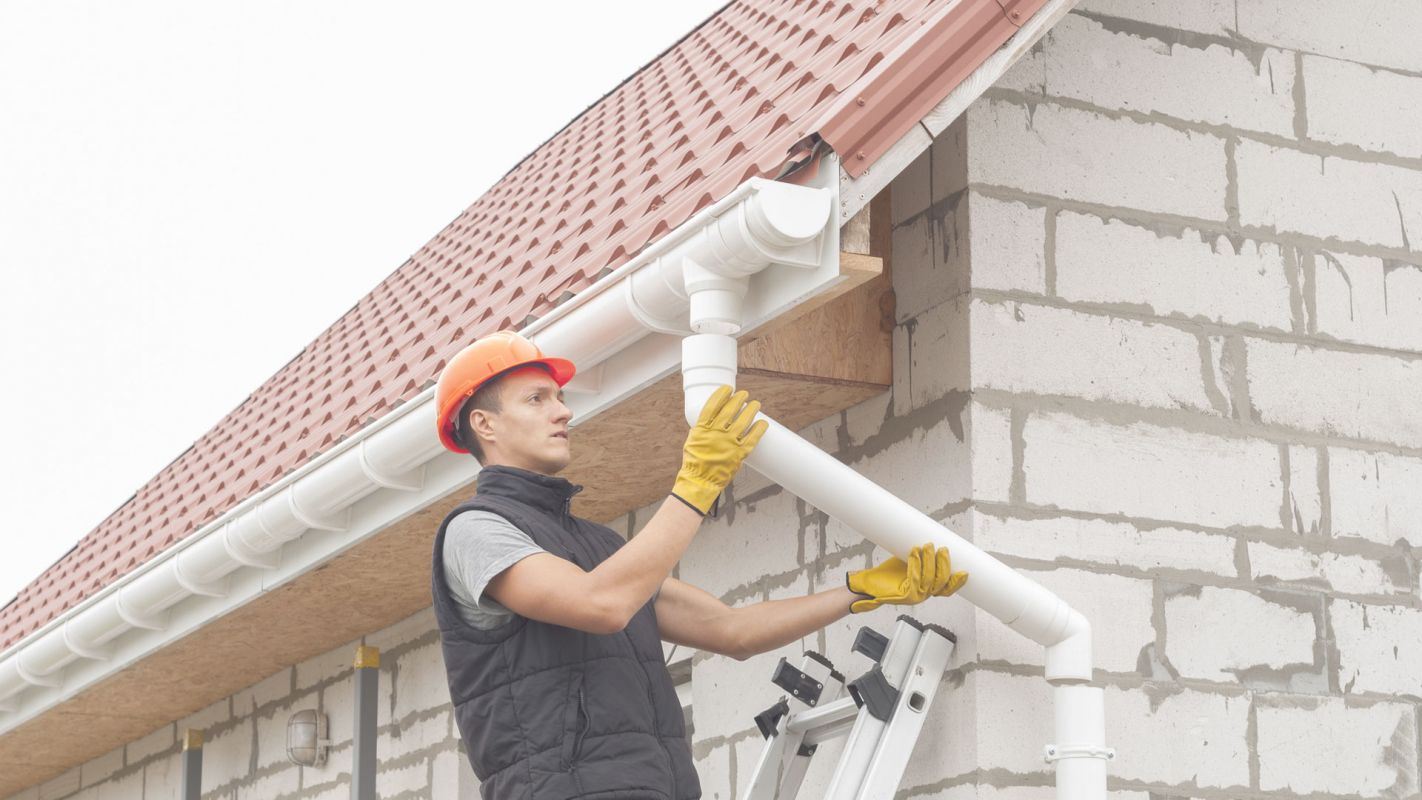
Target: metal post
(367,681)
(192,765)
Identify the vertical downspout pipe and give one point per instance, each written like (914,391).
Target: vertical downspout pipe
(190,784)
(363,750)
(1080,755)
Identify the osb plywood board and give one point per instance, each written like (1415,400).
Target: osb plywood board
(830,358)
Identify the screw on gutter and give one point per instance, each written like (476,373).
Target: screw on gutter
(860,101)
(861,155)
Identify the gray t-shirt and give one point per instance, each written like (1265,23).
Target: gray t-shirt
(478,545)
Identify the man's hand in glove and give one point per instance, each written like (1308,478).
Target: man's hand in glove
(928,573)
(715,447)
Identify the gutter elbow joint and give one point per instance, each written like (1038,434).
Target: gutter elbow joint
(1070,659)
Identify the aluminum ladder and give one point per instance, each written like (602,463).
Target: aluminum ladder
(882,714)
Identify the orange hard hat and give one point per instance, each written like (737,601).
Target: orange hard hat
(473,366)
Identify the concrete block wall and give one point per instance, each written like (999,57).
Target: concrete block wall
(1203,335)
(244,752)
(1159,346)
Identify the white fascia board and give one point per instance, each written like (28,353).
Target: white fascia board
(855,193)
(395,466)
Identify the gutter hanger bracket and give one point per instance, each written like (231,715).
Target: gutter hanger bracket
(337,522)
(217,588)
(411,481)
(152,622)
(82,650)
(33,678)
(245,556)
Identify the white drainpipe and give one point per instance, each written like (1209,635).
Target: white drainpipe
(703,272)
(1080,754)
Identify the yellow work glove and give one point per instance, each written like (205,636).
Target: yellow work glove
(715,447)
(928,573)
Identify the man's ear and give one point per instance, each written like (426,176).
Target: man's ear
(481,424)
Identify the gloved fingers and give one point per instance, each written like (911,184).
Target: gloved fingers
(742,424)
(944,571)
(753,437)
(954,583)
(713,405)
(729,411)
(929,578)
(914,575)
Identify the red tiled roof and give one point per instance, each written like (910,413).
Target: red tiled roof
(726,103)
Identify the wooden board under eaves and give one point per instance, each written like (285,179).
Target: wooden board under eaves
(830,356)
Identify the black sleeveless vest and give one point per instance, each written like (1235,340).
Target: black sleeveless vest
(553,713)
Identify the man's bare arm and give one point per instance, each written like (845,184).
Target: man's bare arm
(554,590)
(693,617)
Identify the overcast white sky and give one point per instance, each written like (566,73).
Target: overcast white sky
(192,191)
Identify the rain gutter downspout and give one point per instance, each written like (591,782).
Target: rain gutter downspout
(1079,754)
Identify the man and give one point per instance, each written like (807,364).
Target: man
(552,625)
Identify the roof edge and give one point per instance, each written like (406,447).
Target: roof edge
(873,114)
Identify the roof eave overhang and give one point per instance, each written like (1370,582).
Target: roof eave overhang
(395,466)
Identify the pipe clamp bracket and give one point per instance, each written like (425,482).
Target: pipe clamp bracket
(1056,752)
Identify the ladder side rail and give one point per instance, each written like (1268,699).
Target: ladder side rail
(920,686)
(868,730)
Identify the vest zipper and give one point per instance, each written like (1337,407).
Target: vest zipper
(582,726)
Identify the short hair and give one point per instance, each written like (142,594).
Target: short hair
(486,398)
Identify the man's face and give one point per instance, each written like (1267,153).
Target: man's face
(530,430)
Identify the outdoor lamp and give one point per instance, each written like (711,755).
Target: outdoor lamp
(306,742)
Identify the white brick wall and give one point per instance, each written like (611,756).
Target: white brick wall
(227,755)
(933,362)
(1135,71)
(1304,503)
(1149,471)
(1192,274)
(1335,90)
(1078,155)
(1108,544)
(1205,16)
(1379,647)
(1371,31)
(1328,197)
(1007,243)
(1342,573)
(764,533)
(99,769)
(1025,348)
(1375,496)
(1352,395)
(1178,737)
(1215,634)
(1332,745)
(420,682)
(991,453)
(1369,300)
(152,744)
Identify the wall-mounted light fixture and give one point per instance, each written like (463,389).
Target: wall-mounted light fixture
(306,738)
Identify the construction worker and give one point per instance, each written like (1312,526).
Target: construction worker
(552,626)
